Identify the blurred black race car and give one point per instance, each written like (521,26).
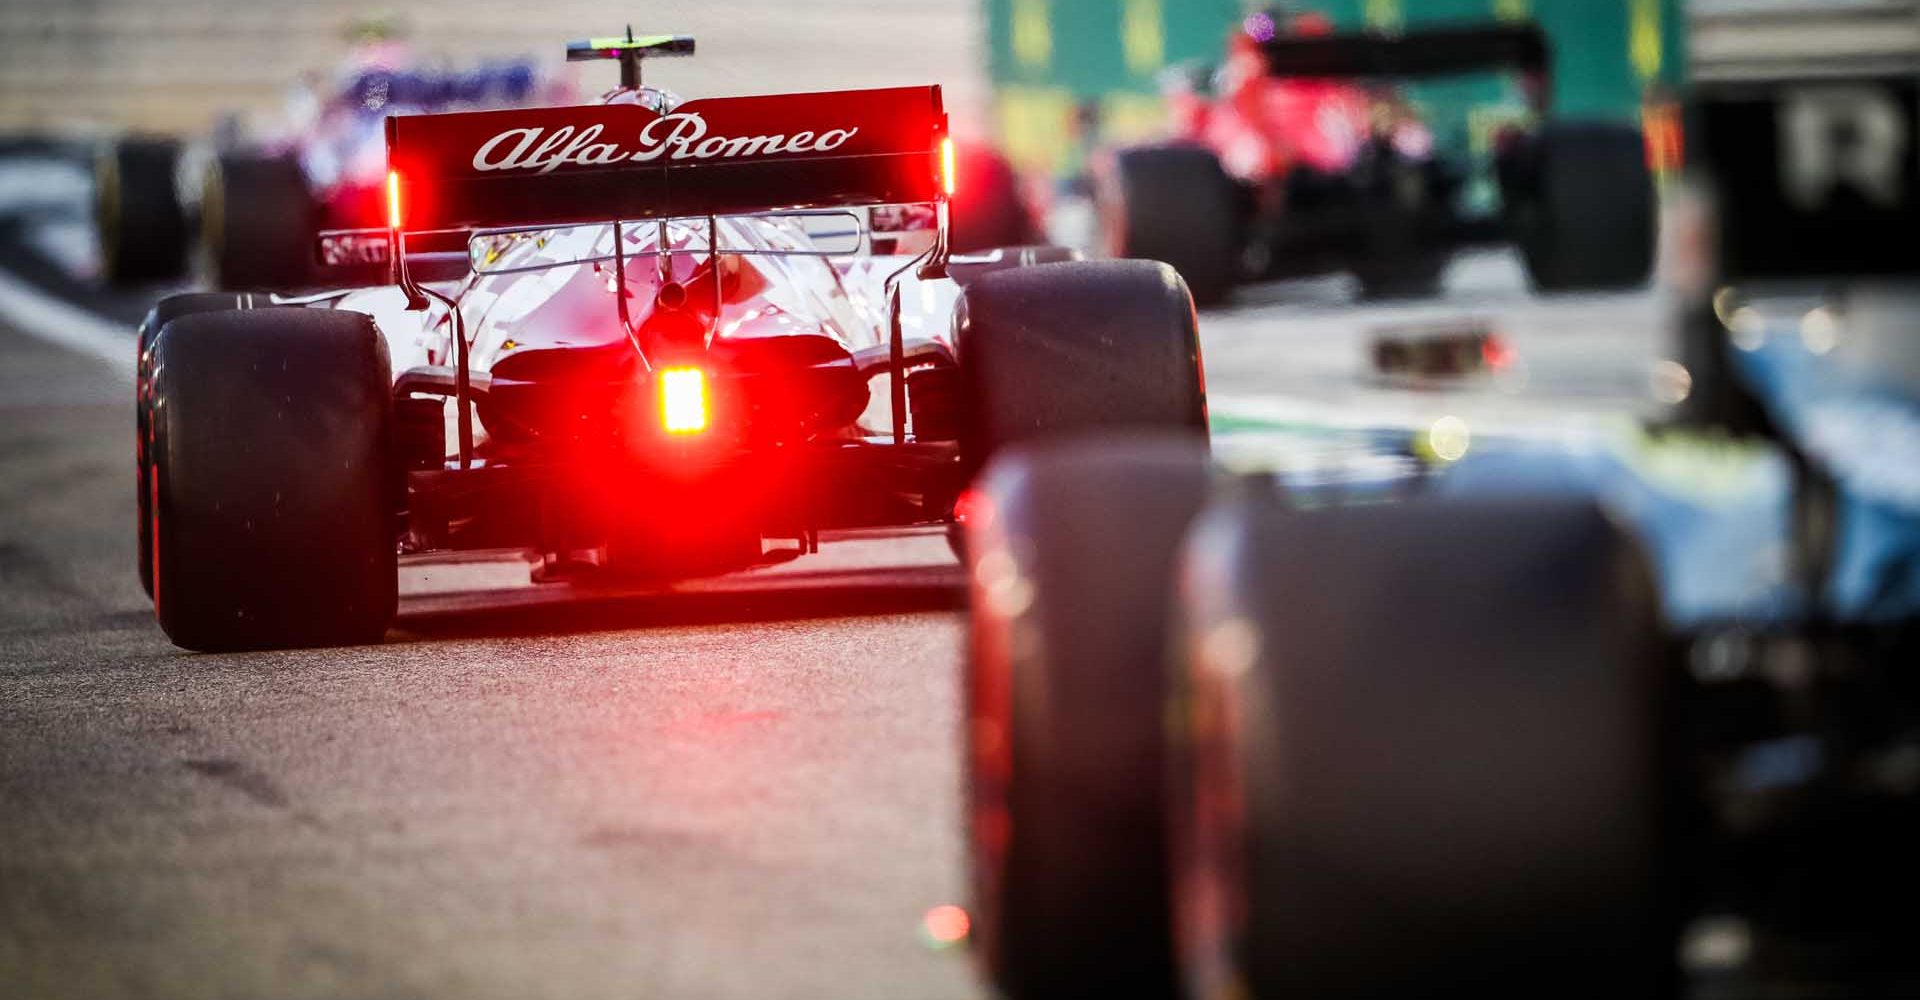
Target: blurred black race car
(1630,716)
(1307,159)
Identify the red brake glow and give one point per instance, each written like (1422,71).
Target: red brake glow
(946,165)
(683,400)
(393,199)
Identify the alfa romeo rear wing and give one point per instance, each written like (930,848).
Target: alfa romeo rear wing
(549,167)
(723,156)
(1446,51)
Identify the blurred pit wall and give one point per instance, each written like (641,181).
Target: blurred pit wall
(1057,65)
(80,66)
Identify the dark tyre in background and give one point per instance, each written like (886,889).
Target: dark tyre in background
(137,213)
(258,223)
(273,484)
(1174,204)
(1424,758)
(1581,205)
(165,311)
(1066,697)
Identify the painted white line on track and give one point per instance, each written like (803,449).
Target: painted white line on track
(41,316)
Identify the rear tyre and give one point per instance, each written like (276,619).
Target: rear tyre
(274,507)
(1061,349)
(1424,752)
(1066,694)
(1582,204)
(1175,204)
(137,214)
(258,223)
(164,312)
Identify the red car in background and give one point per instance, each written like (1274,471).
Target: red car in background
(1303,155)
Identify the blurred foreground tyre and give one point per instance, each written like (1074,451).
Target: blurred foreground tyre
(1174,204)
(136,212)
(273,521)
(258,223)
(988,209)
(1066,696)
(1075,347)
(1583,206)
(165,311)
(1423,753)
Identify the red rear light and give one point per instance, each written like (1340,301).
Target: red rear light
(683,400)
(946,165)
(393,199)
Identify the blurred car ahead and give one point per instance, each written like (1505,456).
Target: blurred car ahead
(1603,718)
(644,339)
(245,208)
(1302,156)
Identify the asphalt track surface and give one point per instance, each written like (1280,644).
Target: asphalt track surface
(745,788)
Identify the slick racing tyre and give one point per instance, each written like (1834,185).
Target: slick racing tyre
(258,224)
(1423,755)
(987,207)
(1174,204)
(136,212)
(1582,205)
(1075,347)
(165,311)
(274,507)
(1066,694)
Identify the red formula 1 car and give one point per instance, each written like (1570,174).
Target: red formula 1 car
(644,338)
(1303,156)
